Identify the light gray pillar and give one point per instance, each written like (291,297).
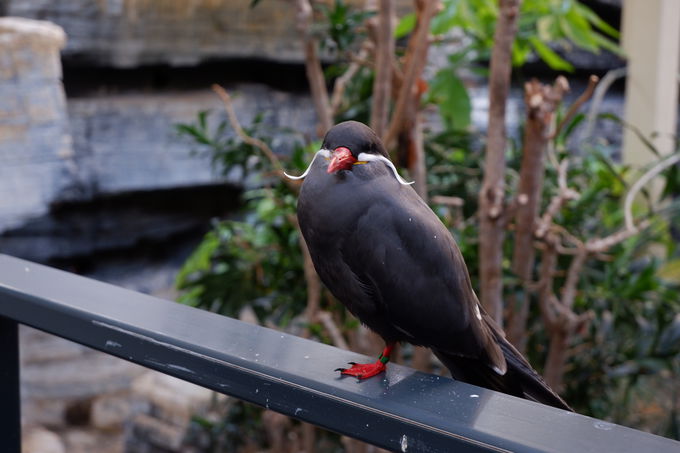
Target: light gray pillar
(651,40)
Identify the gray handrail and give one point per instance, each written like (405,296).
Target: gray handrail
(404,410)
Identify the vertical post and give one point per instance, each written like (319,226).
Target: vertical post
(651,40)
(10,400)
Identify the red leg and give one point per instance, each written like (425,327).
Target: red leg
(367,370)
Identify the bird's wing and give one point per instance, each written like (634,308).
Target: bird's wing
(412,267)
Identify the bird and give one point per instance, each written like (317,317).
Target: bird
(385,255)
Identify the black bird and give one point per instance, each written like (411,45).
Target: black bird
(387,257)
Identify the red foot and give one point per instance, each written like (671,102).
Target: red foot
(363,370)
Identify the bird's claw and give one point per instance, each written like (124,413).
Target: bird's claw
(362,370)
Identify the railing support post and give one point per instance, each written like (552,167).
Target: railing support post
(10,400)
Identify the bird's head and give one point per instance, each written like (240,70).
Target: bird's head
(352,143)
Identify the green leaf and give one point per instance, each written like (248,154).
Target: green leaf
(578,31)
(608,44)
(549,56)
(520,53)
(446,19)
(578,119)
(448,92)
(200,259)
(405,25)
(203,120)
(193,131)
(546,28)
(596,20)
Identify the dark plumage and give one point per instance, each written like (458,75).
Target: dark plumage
(387,257)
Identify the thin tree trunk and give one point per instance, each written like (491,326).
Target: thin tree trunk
(557,358)
(540,101)
(561,332)
(491,197)
(384,49)
(317,82)
(416,56)
(415,147)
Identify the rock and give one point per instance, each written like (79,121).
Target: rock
(39,440)
(85,440)
(46,412)
(109,412)
(147,432)
(164,407)
(40,347)
(91,374)
(171,399)
(30,51)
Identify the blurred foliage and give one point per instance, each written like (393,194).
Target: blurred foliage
(544,28)
(626,363)
(342,26)
(255,259)
(632,345)
(356,104)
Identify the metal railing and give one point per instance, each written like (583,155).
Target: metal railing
(404,410)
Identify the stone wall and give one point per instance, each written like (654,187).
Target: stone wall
(102,144)
(127,33)
(35,144)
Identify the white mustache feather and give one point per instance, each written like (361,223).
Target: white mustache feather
(323,152)
(375,157)
(362,157)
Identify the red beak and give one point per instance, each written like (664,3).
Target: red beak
(342,160)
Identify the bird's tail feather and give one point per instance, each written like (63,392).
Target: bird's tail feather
(519,380)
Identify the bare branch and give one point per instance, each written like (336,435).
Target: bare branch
(573,277)
(456,202)
(564,195)
(600,91)
(599,245)
(640,183)
(576,105)
(545,284)
(342,81)
(333,331)
(252,141)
